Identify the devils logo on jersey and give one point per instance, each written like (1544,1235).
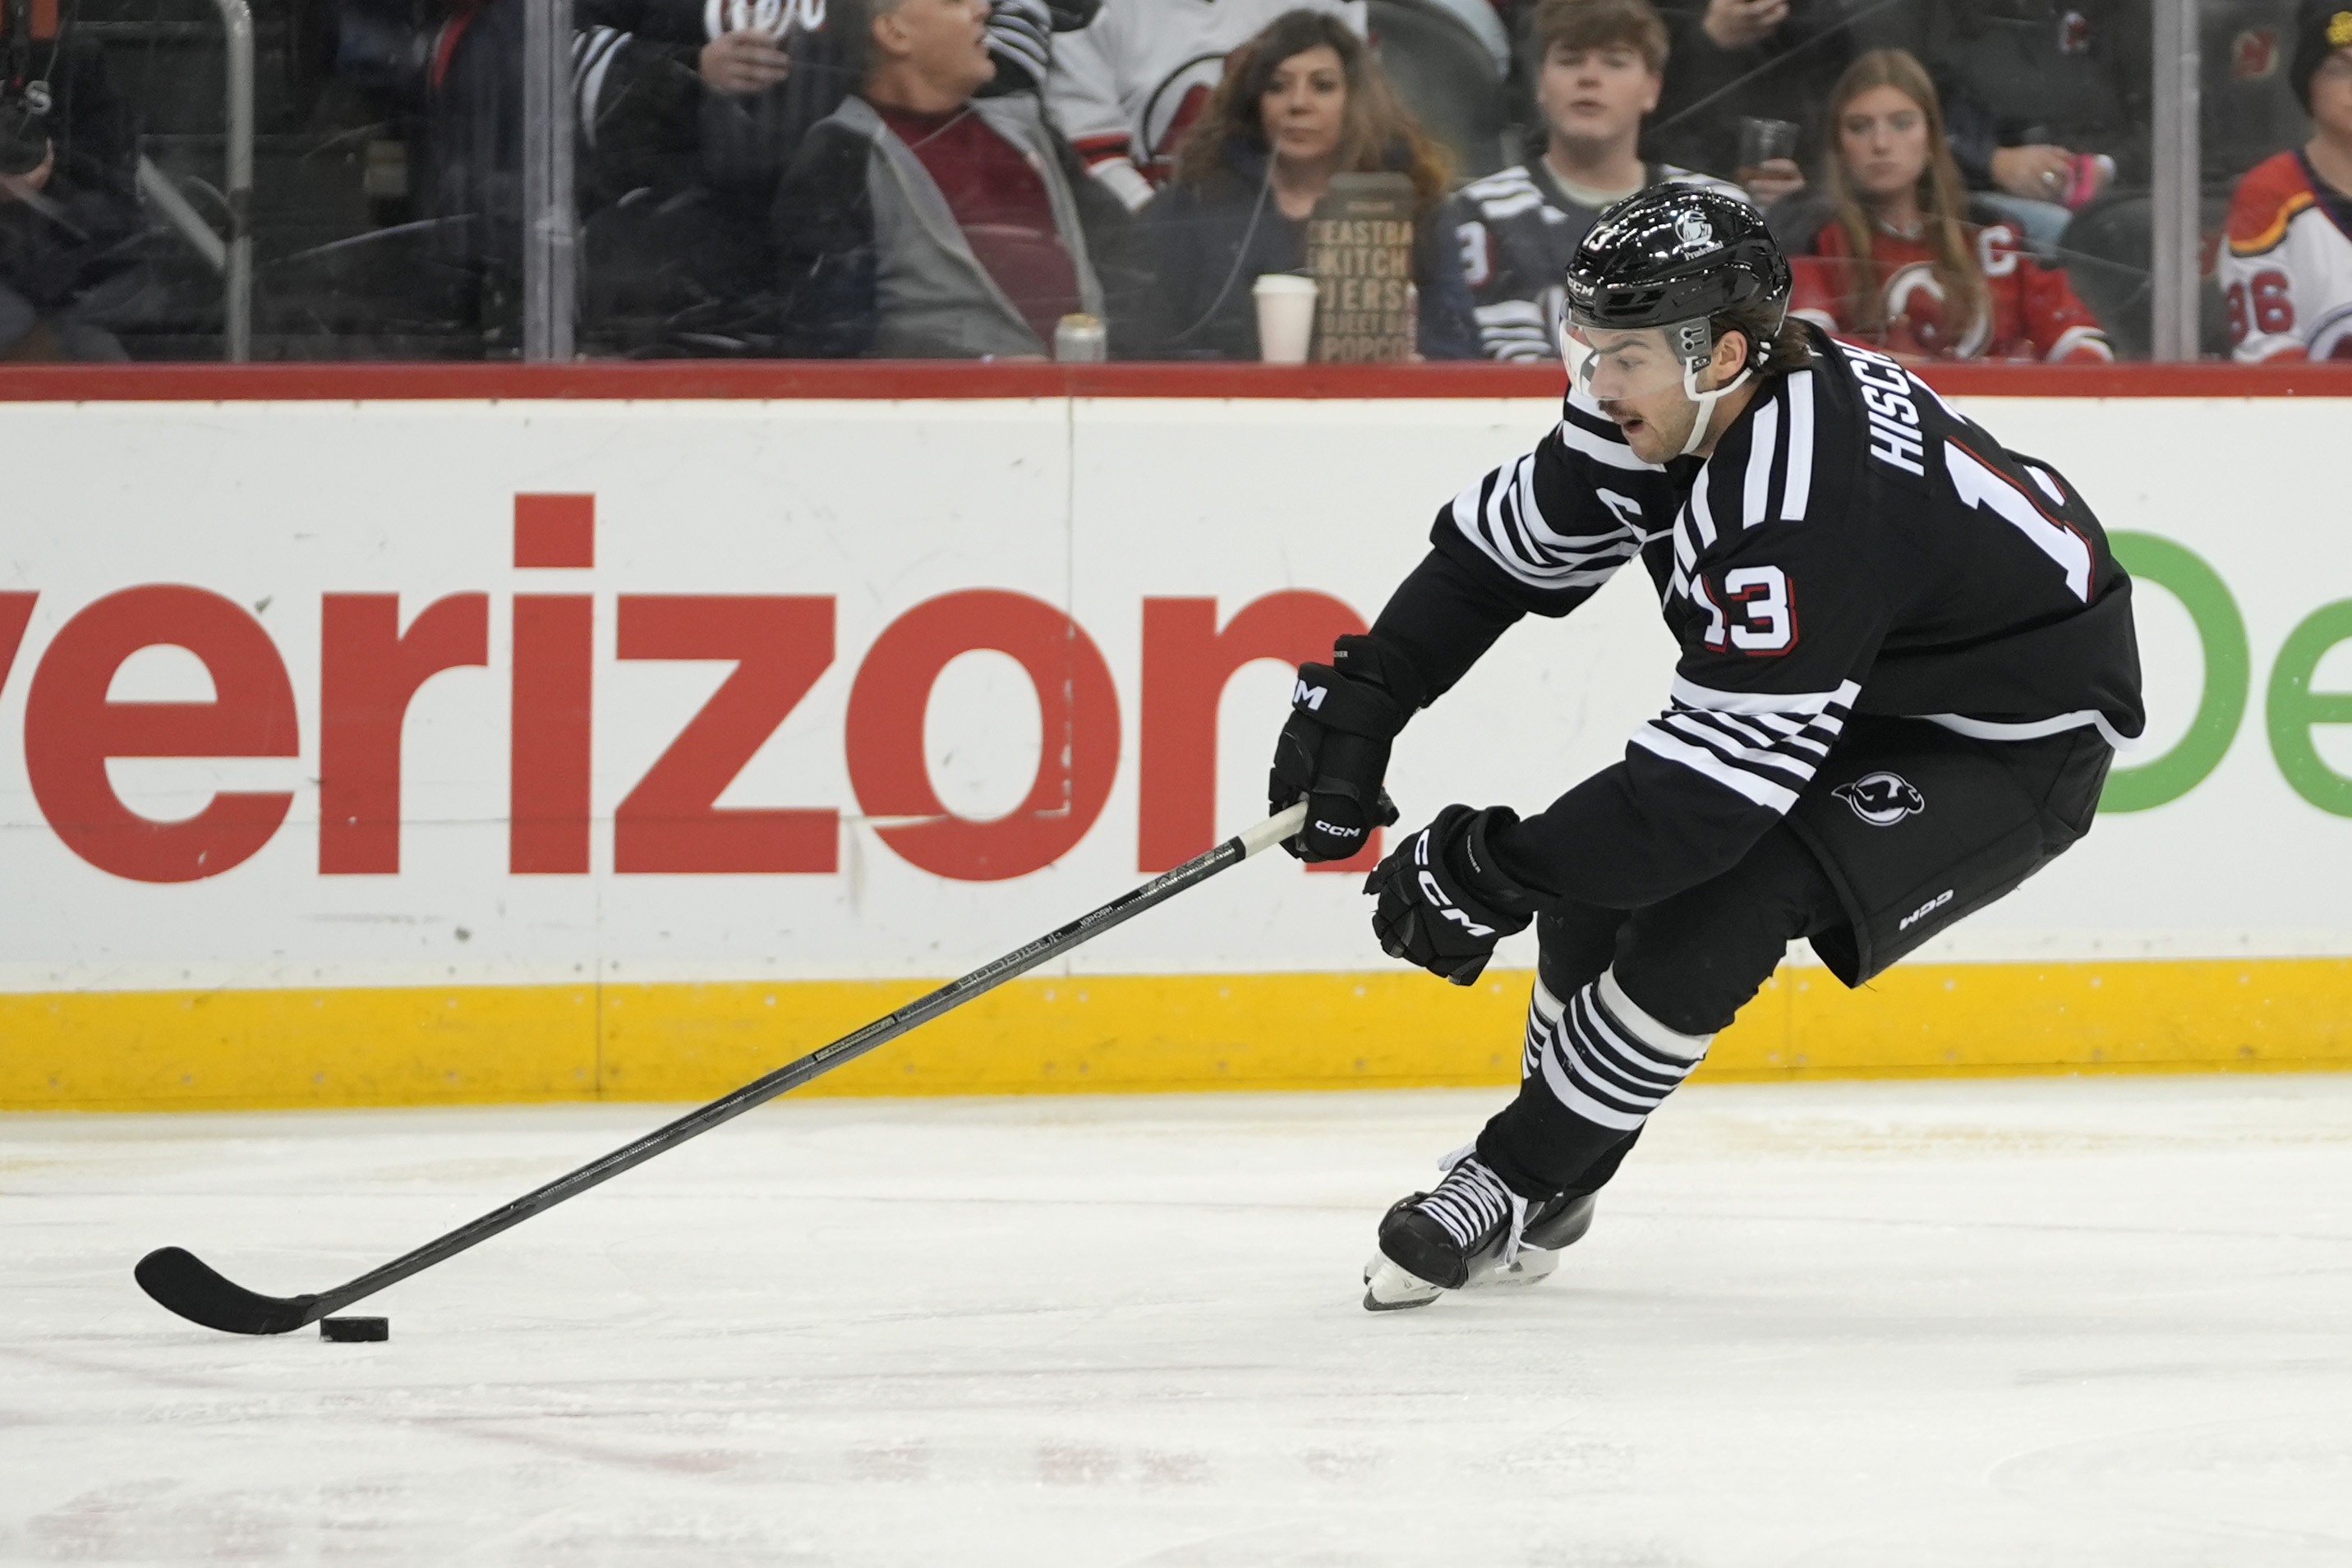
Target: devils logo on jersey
(2030,312)
(1914,304)
(1882,799)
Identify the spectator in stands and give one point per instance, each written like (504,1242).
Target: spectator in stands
(675,100)
(1735,60)
(920,220)
(1895,255)
(1303,100)
(690,113)
(73,263)
(2287,272)
(1127,89)
(2048,99)
(1600,67)
(757,74)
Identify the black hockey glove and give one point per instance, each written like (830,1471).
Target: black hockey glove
(1334,750)
(1443,902)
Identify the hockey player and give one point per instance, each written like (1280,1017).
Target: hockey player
(1907,655)
(2287,269)
(1600,65)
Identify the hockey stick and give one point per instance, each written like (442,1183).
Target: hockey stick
(185,1284)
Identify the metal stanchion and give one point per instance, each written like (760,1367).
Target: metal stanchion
(2178,182)
(236,269)
(549,293)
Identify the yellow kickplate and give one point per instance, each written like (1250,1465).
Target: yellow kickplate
(506,1044)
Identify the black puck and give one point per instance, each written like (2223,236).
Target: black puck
(354,1331)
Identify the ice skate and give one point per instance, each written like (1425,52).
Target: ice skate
(1471,1232)
(1553,1228)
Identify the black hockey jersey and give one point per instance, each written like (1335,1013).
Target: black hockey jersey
(1517,229)
(640,100)
(1853,544)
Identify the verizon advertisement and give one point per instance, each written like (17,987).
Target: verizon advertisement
(305,694)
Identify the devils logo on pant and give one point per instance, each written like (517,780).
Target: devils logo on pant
(1882,799)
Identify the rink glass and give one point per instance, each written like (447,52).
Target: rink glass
(404,205)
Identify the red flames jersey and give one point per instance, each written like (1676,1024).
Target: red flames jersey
(2035,315)
(2287,272)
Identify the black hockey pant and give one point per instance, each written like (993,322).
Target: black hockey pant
(1907,828)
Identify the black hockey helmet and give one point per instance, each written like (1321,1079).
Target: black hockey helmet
(1680,257)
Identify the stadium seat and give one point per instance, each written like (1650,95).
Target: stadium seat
(2107,251)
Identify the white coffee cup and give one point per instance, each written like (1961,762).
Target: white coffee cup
(1285,316)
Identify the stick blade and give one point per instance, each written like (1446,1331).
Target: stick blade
(184,1283)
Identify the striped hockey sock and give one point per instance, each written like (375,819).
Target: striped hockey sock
(1602,1057)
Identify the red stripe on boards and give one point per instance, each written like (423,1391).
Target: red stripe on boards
(886,380)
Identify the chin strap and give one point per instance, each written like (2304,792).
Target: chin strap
(1706,402)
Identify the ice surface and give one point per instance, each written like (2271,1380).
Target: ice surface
(1998,1324)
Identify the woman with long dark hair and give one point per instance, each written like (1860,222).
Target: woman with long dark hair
(1898,256)
(1302,101)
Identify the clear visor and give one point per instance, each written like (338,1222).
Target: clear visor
(1612,363)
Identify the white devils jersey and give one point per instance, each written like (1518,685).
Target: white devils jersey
(1126,87)
(2287,272)
(1852,546)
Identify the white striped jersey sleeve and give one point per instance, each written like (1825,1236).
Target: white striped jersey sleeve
(594,50)
(1516,331)
(1765,746)
(1562,519)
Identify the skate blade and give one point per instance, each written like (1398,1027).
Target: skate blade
(1532,1266)
(1388,1289)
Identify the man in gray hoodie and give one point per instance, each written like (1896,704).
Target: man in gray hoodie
(922,222)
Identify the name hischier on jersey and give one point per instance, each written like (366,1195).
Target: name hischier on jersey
(1906,659)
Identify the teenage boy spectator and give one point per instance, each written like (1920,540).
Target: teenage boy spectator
(1600,67)
(1749,59)
(922,221)
(2286,271)
(1127,89)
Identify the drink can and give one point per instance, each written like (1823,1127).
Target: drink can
(1081,341)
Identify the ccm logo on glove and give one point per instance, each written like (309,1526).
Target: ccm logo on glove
(1443,902)
(1334,750)
(1436,895)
